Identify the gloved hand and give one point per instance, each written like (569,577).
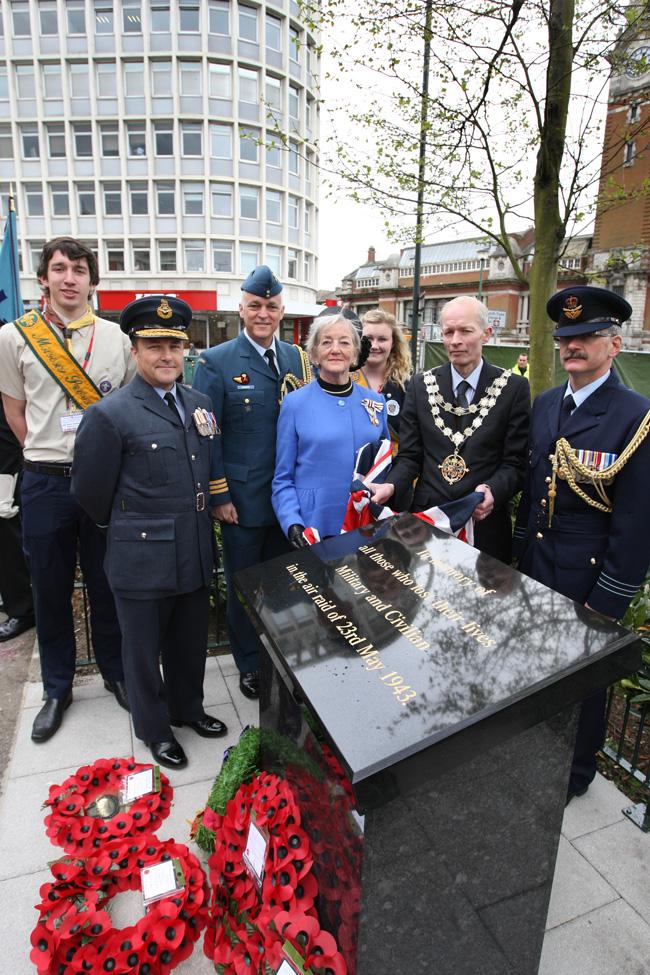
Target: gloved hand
(296,537)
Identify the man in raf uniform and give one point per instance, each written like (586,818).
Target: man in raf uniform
(53,366)
(584,520)
(464,427)
(141,469)
(245,379)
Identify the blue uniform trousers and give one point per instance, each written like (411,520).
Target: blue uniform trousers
(242,548)
(53,525)
(174,628)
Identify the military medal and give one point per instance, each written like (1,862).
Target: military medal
(372,408)
(205,422)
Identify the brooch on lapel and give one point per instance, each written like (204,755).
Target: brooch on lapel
(242,380)
(205,422)
(372,408)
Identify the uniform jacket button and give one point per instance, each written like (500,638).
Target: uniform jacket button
(539,535)
(154,446)
(143,534)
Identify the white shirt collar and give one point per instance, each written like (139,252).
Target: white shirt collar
(581,395)
(472,379)
(260,348)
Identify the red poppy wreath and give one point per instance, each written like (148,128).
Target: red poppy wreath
(74,933)
(87,809)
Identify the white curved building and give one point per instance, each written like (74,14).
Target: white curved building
(147,128)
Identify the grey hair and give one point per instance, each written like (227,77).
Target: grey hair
(319,324)
(611,332)
(480,309)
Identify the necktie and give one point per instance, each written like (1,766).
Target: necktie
(270,358)
(171,403)
(568,406)
(461,393)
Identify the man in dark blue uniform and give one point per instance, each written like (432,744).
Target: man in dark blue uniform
(141,469)
(584,521)
(244,379)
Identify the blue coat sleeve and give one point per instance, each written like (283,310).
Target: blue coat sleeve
(97,465)
(208,379)
(283,494)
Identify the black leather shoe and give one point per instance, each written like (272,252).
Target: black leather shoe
(118,688)
(575,792)
(48,720)
(249,684)
(14,626)
(207,726)
(168,753)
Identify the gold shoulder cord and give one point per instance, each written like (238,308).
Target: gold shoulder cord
(290,381)
(568,468)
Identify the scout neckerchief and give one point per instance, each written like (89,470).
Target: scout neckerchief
(453,467)
(57,358)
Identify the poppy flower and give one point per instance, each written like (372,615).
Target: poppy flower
(43,947)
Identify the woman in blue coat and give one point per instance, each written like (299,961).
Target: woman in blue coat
(320,429)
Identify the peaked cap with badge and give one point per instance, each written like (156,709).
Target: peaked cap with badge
(262,282)
(584,310)
(156,317)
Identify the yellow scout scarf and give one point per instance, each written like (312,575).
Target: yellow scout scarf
(57,358)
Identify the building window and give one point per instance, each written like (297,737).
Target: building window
(4,84)
(6,142)
(160,19)
(294,159)
(248,86)
(294,106)
(161,79)
(248,144)
(48,19)
(52,82)
(247,23)
(79,80)
(249,197)
(249,257)
(138,199)
(629,152)
(25,82)
(34,199)
(112,200)
(190,78)
(109,139)
(220,76)
(634,113)
(274,259)
(106,80)
(308,227)
(273,152)
(191,139)
(60,200)
(221,141)
(194,255)
(55,141)
(20,19)
(167,255)
(136,139)
(222,257)
(30,142)
(193,199)
(163,134)
(83,140)
(115,256)
(141,256)
(165,200)
(189,17)
(294,45)
(134,79)
(219,22)
(76,16)
(273,96)
(104,23)
(86,199)
(221,200)
(293,213)
(131,17)
(273,33)
(273,206)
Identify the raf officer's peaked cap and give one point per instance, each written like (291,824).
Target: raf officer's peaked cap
(582,310)
(156,317)
(262,282)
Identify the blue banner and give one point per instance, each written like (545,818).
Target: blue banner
(11,304)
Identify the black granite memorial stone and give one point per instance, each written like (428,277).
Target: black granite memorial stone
(446,685)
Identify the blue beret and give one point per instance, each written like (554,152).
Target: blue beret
(156,317)
(262,282)
(582,310)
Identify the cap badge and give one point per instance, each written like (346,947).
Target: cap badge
(163,310)
(572,308)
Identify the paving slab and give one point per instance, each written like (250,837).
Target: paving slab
(621,853)
(248,711)
(215,691)
(17,899)
(578,888)
(612,940)
(600,806)
(227,664)
(85,687)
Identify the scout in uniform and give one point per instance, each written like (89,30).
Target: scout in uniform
(142,469)
(245,379)
(584,522)
(53,366)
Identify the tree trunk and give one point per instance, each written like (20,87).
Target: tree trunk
(549,226)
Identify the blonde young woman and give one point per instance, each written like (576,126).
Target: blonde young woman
(388,367)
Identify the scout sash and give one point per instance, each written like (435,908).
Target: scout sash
(59,362)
